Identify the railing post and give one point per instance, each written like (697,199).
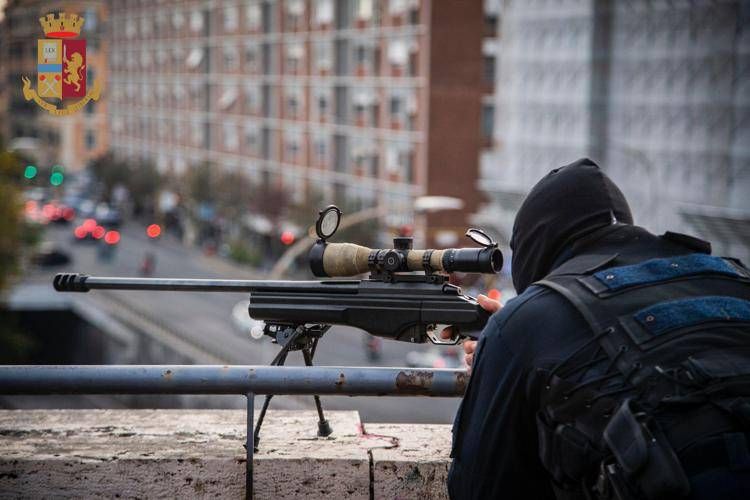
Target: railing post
(249,446)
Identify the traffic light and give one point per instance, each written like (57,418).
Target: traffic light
(30,172)
(56,177)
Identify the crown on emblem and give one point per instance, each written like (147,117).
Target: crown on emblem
(62,26)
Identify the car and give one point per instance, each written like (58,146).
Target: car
(50,255)
(107,215)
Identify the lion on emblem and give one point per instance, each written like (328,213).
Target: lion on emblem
(74,70)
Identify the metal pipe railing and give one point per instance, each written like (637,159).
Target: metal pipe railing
(196,379)
(244,380)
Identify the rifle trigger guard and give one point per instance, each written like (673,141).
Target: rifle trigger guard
(433,333)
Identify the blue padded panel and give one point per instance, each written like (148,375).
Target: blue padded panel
(683,313)
(656,270)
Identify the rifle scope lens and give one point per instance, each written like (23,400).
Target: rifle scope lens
(473,260)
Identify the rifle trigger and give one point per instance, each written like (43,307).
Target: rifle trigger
(433,333)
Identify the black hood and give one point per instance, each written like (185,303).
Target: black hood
(567,204)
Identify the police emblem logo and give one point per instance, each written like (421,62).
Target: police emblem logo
(61,66)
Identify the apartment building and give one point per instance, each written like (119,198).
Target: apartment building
(657,93)
(73,140)
(360,102)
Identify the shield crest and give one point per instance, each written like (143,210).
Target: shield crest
(61,68)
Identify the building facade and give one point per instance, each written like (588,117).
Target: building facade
(657,93)
(360,102)
(73,140)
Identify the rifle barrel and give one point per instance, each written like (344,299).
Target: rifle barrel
(74,282)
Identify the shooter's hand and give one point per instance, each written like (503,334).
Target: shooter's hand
(489,305)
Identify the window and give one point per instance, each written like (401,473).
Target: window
(145,58)
(146,25)
(323,55)
(364,156)
(194,58)
(320,148)
(294,102)
(253,15)
(230,136)
(252,98)
(399,160)
(196,133)
(90,20)
(396,7)
(161,56)
(231,58)
(364,56)
(295,52)
(488,63)
(252,137)
(228,98)
(231,20)
(321,102)
(364,10)
(178,18)
(402,106)
(488,120)
(161,20)
(398,52)
(90,140)
(292,144)
(196,21)
(251,57)
(323,12)
(295,10)
(130,27)
(364,101)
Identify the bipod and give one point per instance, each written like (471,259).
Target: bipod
(294,338)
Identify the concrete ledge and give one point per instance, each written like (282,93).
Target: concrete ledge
(200,453)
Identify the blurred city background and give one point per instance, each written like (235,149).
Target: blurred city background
(224,126)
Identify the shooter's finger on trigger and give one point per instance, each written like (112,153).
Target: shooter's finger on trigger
(447,333)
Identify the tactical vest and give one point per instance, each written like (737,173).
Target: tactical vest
(674,335)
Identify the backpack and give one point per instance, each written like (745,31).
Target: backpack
(674,334)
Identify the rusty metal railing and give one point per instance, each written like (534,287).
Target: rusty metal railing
(241,380)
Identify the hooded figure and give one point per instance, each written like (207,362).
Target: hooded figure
(574,216)
(567,204)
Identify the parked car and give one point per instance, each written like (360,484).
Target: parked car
(107,216)
(50,255)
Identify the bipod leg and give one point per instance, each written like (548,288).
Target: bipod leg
(249,448)
(278,361)
(324,428)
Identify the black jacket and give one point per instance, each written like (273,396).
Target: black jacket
(495,447)
(571,211)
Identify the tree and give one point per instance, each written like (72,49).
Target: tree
(11,214)
(110,172)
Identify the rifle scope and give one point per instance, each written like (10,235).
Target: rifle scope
(348,259)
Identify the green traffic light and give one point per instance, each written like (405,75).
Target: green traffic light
(56,179)
(30,172)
